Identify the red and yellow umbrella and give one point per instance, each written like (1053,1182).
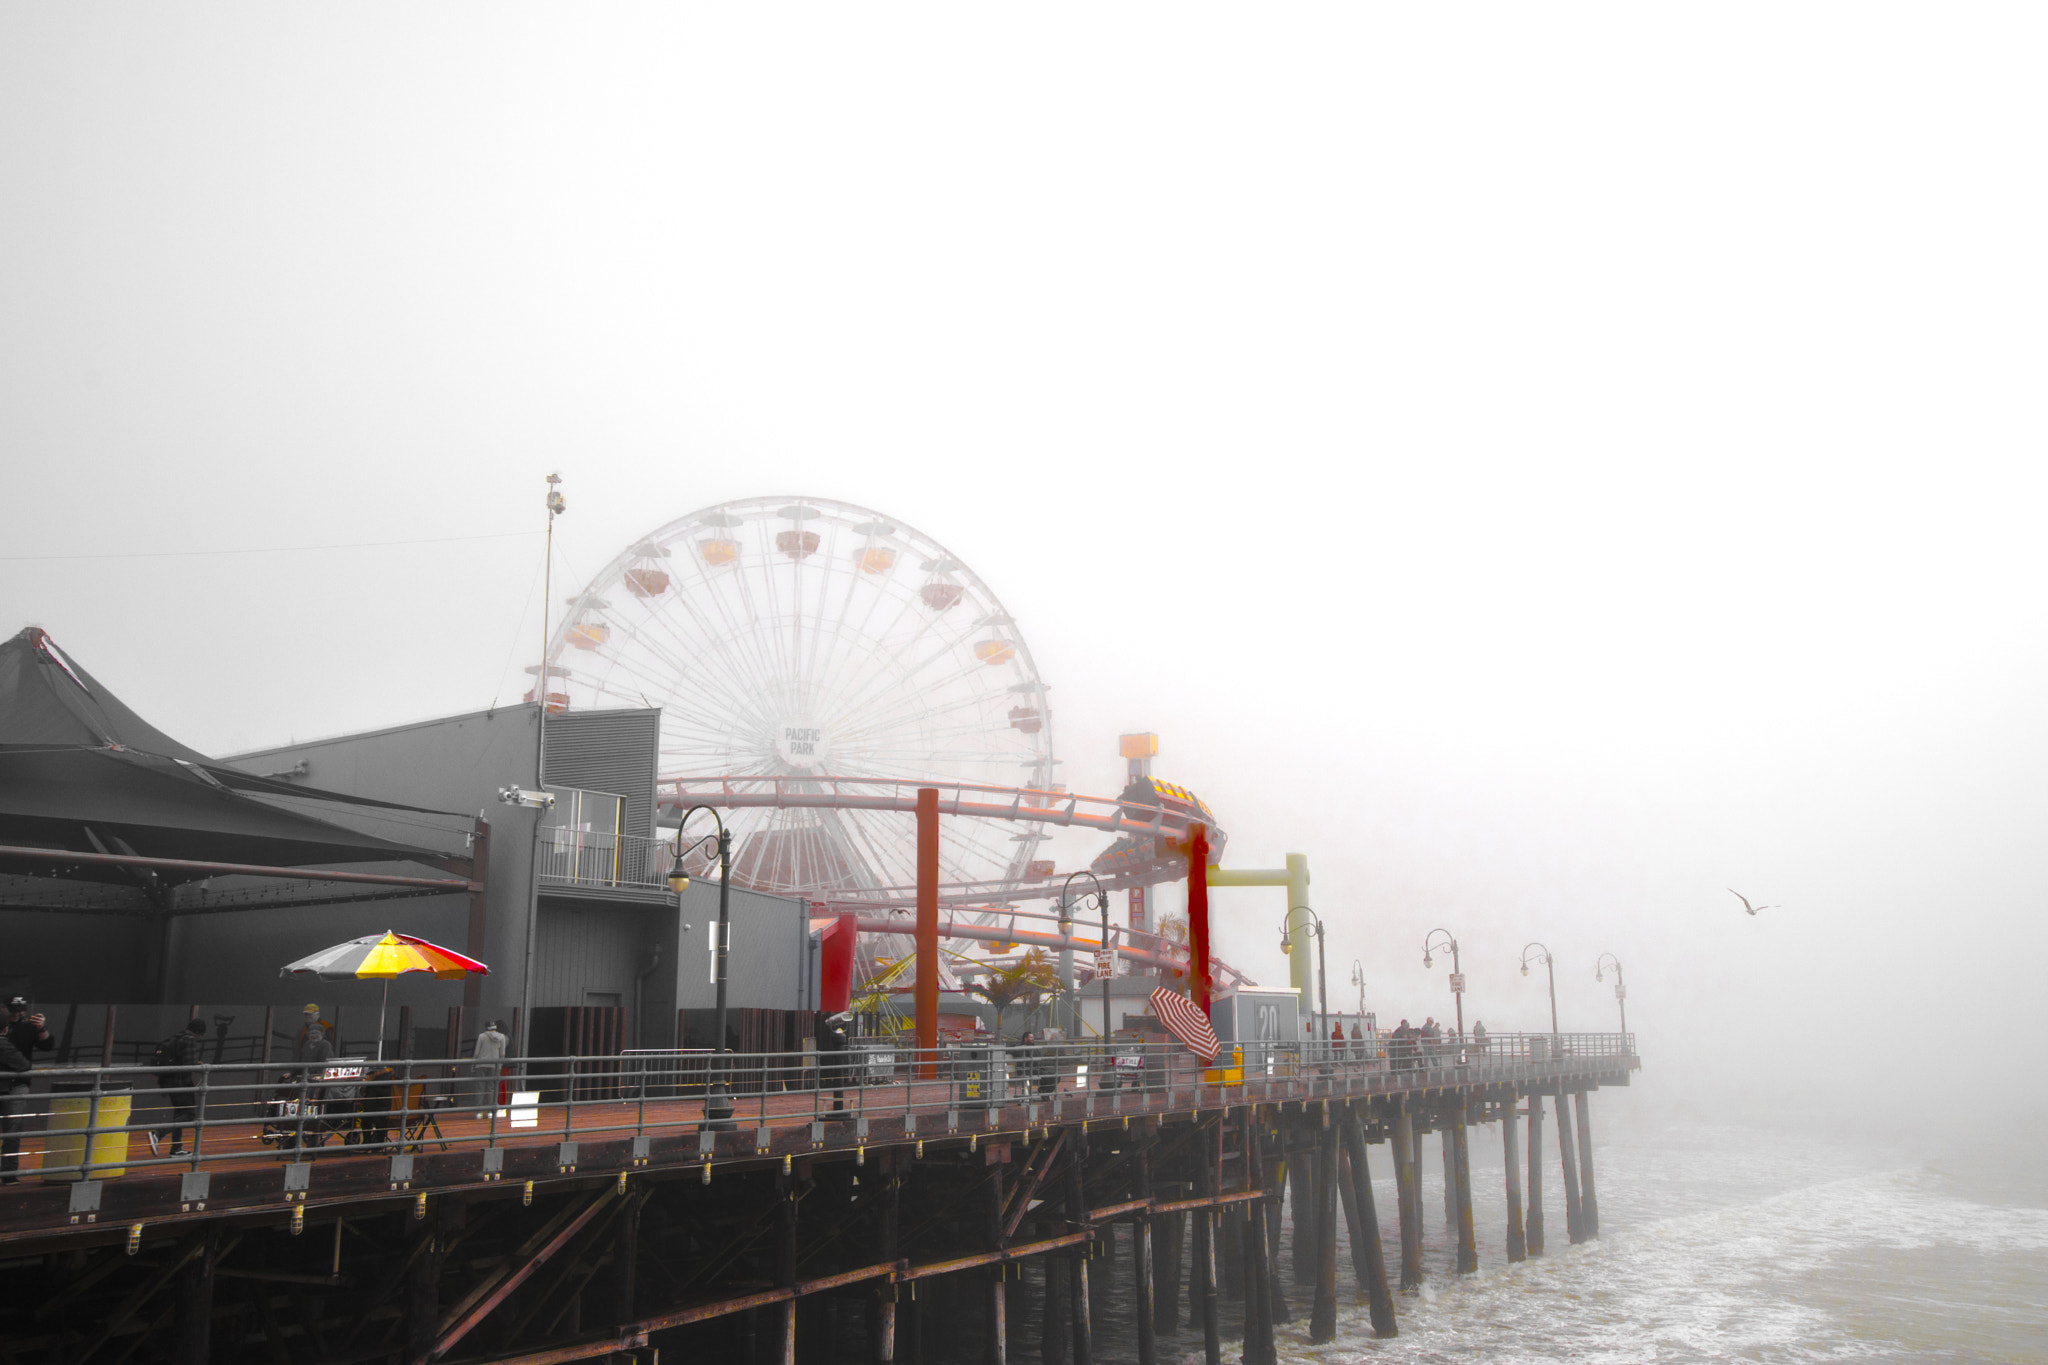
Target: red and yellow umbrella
(381,957)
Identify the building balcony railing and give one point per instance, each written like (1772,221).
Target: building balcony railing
(585,858)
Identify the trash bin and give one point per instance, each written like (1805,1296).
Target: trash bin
(72,1106)
(1539,1049)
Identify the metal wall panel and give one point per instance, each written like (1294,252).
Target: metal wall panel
(608,751)
(586,946)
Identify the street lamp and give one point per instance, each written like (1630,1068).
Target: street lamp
(1550,966)
(717,1103)
(1102,905)
(1322,958)
(1457,975)
(1358,980)
(1620,991)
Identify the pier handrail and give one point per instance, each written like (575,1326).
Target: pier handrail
(397,1108)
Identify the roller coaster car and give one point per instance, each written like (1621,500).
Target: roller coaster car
(1144,852)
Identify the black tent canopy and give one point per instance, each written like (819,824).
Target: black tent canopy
(81,772)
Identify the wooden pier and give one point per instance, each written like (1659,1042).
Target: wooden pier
(911,1226)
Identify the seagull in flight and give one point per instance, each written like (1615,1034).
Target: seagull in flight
(1745,902)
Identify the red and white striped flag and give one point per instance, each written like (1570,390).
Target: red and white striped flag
(1186,1023)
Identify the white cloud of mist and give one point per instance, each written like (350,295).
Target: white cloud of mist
(1546,467)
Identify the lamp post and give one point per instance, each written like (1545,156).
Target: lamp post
(1550,966)
(1620,990)
(1358,980)
(717,1103)
(1322,960)
(1457,974)
(1102,907)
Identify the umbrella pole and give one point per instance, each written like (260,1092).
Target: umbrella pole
(381,1003)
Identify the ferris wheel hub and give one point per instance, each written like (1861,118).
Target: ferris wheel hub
(803,743)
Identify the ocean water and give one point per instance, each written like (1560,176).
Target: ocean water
(1718,1243)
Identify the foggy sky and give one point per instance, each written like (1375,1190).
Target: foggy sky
(1548,468)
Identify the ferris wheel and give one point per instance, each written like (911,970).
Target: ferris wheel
(801,638)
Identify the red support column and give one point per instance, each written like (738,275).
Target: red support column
(927,933)
(1198,915)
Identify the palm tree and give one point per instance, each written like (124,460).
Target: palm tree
(1030,979)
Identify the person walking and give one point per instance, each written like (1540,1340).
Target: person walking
(177,1055)
(490,1065)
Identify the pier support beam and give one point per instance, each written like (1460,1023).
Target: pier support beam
(1589,1202)
(1511,1151)
(1276,1298)
(1322,1319)
(1534,1231)
(1301,1206)
(1377,1294)
(785,1270)
(1409,1196)
(1461,1161)
(1574,1222)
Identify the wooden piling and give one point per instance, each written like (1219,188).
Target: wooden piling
(1450,1165)
(890,1234)
(1258,1310)
(1574,1223)
(191,1342)
(1589,1202)
(1377,1295)
(1169,1231)
(1207,1157)
(1056,1323)
(1301,1206)
(1347,1196)
(1322,1318)
(1276,1298)
(1533,1233)
(996,1343)
(1460,1175)
(1408,1197)
(1142,1273)
(785,1269)
(1511,1151)
(1077,1265)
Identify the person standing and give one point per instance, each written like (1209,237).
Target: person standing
(490,1065)
(832,1067)
(28,1032)
(178,1054)
(14,1068)
(316,1041)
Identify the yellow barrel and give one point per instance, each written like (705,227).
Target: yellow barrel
(78,1111)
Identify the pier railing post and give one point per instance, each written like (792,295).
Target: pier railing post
(1511,1152)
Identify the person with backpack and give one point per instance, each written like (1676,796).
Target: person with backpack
(173,1061)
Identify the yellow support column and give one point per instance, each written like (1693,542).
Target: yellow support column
(1300,966)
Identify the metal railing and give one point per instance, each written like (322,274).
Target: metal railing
(595,858)
(91,1124)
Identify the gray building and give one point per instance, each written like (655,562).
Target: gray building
(580,929)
